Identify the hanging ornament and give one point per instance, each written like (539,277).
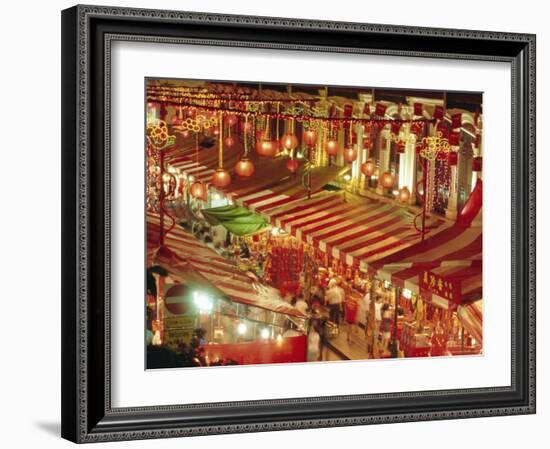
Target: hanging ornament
(350,154)
(265,147)
(310,137)
(231,119)
(221,177)
(245,168)
(404,194)
(229,141)
(387,180)
(452,158)
(292,165)
(198,190)
(368,167)
(331,147)
(289,141)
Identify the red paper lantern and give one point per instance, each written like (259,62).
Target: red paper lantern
(289,141)
(332,147)
(229,141)
(266,148)
(452,158)
(310,137)
(366,109)
(231,119)
(404,194)
(442,128)
(292,165)
(350,154)
(476,163)
(417,108)
(221,178)
(387,180)
(368,167)
(198,190)
(244,168)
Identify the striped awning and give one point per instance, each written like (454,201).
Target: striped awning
(471,317)
(184,253)
(355,231)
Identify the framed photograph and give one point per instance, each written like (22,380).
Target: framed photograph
(277,224)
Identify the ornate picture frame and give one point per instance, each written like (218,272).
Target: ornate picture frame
(87,35)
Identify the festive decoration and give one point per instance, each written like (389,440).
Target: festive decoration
(368,167)
(404,194)
(198,190)
(456,121)
(350,154)
(289,141)
(439,111)
(452,158)
(266,148)
(387,180)
(292,165)
(454,138)
(157,132)
(433,145)
(229,141)
(417,109)
(231,119)
(331,146)
(380,109)
(244,168)
(221,177)
(310,137)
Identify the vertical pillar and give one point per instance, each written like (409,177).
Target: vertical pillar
(452,205)
(384,159)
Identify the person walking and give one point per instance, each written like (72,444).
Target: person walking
(335,299)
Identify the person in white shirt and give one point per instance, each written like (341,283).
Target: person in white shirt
(335,298)
(301,305)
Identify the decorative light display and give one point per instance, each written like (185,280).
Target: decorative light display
(404,194)
(221,177)
(292,165)
(244,167)
(432,146)
(387,180)
(368,167)
(331,147)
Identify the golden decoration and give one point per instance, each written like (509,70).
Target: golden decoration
(157,132)
(433,145)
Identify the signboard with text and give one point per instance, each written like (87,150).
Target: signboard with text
(447,288)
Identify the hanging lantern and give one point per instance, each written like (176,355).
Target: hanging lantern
(387,180)
(404,194)
(310,137)
(368,167)
(292,165)
(198,190)
(221,178)
(229,141)
(231,119)
(289,141)
(216,131)
(266,148)
(332,147)
(350,154)
(244,168)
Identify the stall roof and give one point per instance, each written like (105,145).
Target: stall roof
(455,253)
(184,252)
(353,231)
(236,219)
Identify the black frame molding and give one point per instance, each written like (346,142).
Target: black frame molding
(87,33)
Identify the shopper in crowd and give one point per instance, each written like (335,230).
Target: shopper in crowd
(313,343)
(301,304)
(385,326)
(335,300)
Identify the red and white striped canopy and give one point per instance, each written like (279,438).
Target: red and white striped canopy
(471,317)
(455,253)
(355,232)
(186,254)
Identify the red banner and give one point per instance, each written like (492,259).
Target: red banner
(447,288)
